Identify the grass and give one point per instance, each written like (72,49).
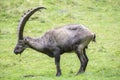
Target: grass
(100,16)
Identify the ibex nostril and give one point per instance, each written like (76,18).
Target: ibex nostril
(15,52)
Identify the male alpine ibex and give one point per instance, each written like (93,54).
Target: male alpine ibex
(57,41)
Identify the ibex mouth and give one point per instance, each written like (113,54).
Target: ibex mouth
(17,52)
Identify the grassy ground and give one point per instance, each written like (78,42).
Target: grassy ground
(101,16)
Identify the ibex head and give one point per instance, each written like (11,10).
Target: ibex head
(20,47)
(21,44)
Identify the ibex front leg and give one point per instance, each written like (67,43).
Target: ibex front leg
(57,62)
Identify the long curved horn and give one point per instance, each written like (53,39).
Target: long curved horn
(24,19)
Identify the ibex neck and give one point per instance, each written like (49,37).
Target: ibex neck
(35,43)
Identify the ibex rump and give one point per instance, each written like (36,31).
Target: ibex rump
(57,41)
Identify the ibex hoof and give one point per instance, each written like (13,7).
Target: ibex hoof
(58,74)
(80,72)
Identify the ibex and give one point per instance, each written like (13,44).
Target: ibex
(55,42)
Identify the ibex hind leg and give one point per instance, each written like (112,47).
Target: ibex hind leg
(86,58)
(81,53)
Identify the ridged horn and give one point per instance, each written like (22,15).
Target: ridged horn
(24,19)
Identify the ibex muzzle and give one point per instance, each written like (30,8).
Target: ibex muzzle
(20,47)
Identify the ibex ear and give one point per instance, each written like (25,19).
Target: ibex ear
(26,39)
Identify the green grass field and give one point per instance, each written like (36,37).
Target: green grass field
(100,16)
